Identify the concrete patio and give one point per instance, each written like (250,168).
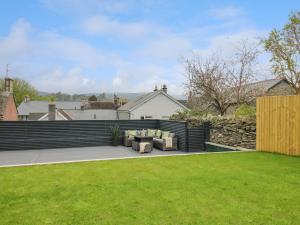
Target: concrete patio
(59,155)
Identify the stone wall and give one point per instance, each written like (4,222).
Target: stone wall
(233,132)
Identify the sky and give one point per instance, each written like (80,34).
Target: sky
(87,46)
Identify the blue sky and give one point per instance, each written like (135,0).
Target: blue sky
(126,46)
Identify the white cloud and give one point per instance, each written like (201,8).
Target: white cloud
(87,6)
(31,52)
(227,12)
(101,25)
(64,63)
(70,81)
(16,44)
(49,46)
(168,48)
(137,78)
(70,49)
(226,44)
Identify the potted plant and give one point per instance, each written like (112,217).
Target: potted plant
(115,133)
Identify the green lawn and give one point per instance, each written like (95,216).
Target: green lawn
(233,188)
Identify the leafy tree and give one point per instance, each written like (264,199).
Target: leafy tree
(21,89)
(92,98)
(284,45)
(49,98)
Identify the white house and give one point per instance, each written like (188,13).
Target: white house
(154,105)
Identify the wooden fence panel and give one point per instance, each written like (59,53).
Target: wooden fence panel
(278,124)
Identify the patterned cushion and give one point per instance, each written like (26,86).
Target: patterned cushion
(151,132)
(141,133)
(158,134)
(165,134)
(131,133)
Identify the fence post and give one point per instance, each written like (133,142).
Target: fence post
(186,137)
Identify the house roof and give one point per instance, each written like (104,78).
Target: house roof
(146,97)
(184,102)
(42,106)
(3,101)
(100,105)
(91,114)
(266,85)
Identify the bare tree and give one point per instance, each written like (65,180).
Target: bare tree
(241,69)
(210,80)
(223,83)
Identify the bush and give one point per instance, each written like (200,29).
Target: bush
(187,114)
(245,111)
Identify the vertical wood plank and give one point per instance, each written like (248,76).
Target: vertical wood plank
(278,124)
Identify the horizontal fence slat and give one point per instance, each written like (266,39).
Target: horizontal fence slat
(23,135)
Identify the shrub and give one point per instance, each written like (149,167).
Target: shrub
(115,133)
(245,111)
(187,114)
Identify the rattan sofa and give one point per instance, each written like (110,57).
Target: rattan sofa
(159,141)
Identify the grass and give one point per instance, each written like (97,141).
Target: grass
(233,188)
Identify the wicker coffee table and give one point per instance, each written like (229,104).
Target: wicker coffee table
(142,144)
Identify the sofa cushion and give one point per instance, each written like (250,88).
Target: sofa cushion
(158,134)
(141,133)
(151,132)
(131,133)
(165,134)
(171,135)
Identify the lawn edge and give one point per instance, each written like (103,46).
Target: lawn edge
(123,158)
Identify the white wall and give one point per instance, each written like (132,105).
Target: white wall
(57,117)
(160,107)
(123,115)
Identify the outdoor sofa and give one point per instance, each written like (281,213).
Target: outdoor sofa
(163,140)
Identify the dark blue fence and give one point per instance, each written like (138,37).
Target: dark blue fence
(23,135)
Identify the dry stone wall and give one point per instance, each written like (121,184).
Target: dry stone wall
(233,132)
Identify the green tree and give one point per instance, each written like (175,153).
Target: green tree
(92,98)
(49,98)
(21,89)
(284,45)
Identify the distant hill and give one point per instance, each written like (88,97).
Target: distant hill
(108,95)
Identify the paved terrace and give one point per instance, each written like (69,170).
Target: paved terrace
(44,156)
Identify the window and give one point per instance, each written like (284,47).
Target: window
(146,117)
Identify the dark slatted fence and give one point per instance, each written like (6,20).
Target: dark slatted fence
(22,135)
(197,137)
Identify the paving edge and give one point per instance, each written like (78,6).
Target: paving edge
(122,158)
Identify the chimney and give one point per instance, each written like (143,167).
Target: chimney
(8,85)
(116,100)
(164,88)
(27,98)
(51,111)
